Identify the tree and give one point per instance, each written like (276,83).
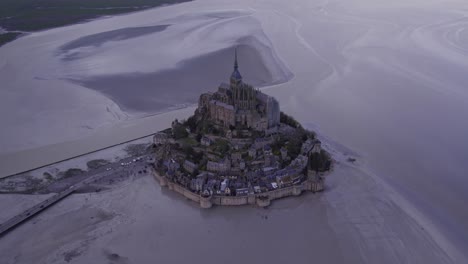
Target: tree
(179,132)
(294,147)
(191,123)
(189,151)
(215,131)
(197,157)
(288,120)
(222,146)
(320,161)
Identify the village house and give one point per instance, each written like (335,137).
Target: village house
(284,180)
(222,166)
(284,153)
(236,156)
(257,189)
(224,185)
(197,184)
(310,146)
(269,160)
(171,165)
(211,186)
(190,166)
(242,165)
(267,150)
(253,152)
(242,191)
(229,134)
(261,142)
(206,141)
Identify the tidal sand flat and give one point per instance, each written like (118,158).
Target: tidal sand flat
(119,72)
(70,51)
(354,221)
(149,93)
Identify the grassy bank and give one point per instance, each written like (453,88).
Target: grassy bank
(33,15)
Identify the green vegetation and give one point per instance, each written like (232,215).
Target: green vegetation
(320,161)
(191,123)
(304,133)
(179,131)
(221,146)
(94,164)
(32,184)
(48,176)
(202,126)
(72,173)
(137,149)
(207,127)
(188,141)
(289,120)
(278,144)
(32,15)
(294,147)
(293,143)
(192,155)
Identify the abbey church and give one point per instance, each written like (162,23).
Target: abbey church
(240,105)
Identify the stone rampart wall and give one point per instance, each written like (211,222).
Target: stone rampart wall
(262,200)
(233,200)
(188,194)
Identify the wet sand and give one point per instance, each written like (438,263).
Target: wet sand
(32,158)
(98,78)
(354,221)
(71,50)
(158,91)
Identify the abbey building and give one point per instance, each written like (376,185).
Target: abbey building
(240,105)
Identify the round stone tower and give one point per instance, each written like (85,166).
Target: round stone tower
(205,202)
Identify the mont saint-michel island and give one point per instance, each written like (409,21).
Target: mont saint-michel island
(237,149)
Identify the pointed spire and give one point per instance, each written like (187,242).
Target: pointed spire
(236,65)
(236,77)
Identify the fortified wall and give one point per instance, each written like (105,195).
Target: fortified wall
(260,199)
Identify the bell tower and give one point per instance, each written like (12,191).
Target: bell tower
(236,77)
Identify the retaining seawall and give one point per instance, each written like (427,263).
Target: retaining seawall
(261,199)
